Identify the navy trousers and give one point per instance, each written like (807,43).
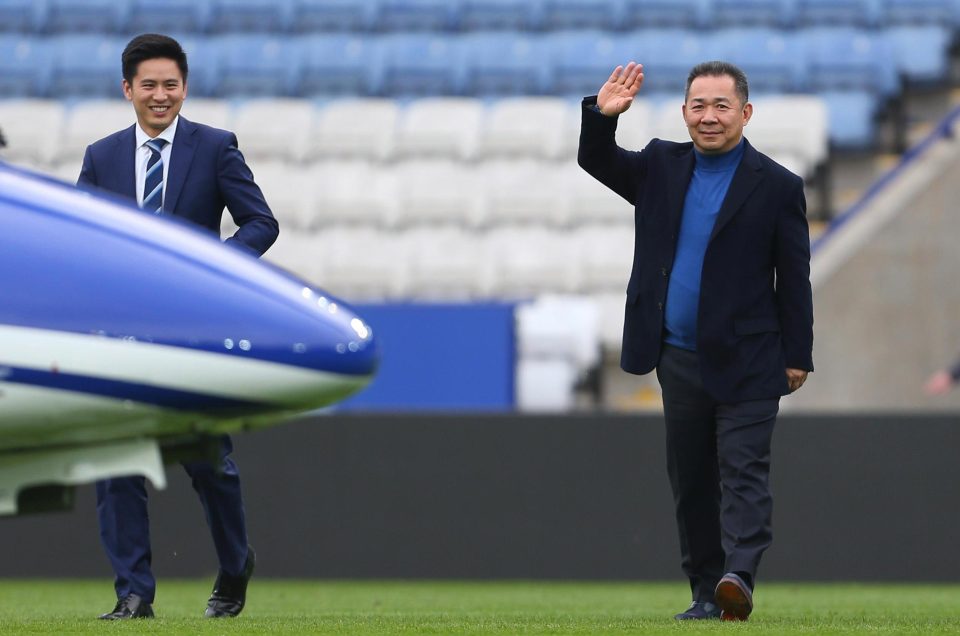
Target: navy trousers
(718,460)
(125,527)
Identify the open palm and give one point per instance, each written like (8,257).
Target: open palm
(617,93)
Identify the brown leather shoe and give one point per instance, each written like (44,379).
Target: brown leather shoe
(230,592)
(734,597)
(130,606)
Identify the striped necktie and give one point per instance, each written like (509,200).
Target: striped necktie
(153,183)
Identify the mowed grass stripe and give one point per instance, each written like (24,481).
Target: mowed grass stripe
(465,607)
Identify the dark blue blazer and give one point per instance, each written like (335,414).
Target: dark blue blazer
(755,315)
(206,174)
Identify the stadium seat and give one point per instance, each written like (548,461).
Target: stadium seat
(794,129)
(852,119)
(772,59)
(417,65)
(853,13)
(86,66)
(922,53)
(581,14)
(88,121)
(363,263)
(244,16)
(212,112)
(525,192)
(417,15)
(913,12)
(446,263)
(440,127)
(364,128)
(86,16)
(579,62)
(203,76)
(25,66)
(478,15)
(667,56)
(438,192)
(36,134)
(528,261)
(307,16)
(667,121)
(339,65)
(23,16)
(289,191)
(169,16)
(525,127)
(274,128)
(667,13)
(352,192)
(591,202)
(848,59)
(560,325)
(503,63)
(604,255)
(256,65)
(298,252)
(545,385)
(746,13)
(634,127)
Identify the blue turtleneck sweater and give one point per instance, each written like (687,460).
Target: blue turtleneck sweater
(712,175)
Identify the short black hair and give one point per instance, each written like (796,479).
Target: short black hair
(150,46)
(717,68)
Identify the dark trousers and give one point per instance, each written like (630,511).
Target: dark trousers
(718,459)
(125,527)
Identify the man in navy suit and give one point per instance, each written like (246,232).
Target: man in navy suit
(171,166)
(719,303)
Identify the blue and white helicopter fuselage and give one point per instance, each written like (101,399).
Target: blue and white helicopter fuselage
(121,331)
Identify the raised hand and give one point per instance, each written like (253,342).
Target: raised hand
(617,93)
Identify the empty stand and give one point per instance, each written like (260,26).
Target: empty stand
(274,128)
(25,66)
(525,127)
(440,127)
(363,128)
(256,65)
(86,66)
(503,63)
(339,64)
(438,192)
(36,136)
(88,121)
(352,192)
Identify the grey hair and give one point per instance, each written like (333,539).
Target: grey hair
(717,68)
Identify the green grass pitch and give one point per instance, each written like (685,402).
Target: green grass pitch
(460,607)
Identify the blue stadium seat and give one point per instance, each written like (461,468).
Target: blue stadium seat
(86,66)
(668,55)
(503,63)
(185,16)
(418,15)
(421,64)
(203,63)
(863,13)
(339,64)
(852,116)
(772,59)
(256,65)
(582,14)
(25,66)
(922,53)
(579,62)
(22,16)
(903,12)
(666,13)
(308,16)
(249,16)
(478,15)
(843,58)
(743,13)
(86,16)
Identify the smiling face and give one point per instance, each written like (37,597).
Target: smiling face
(714,115)
(157,92)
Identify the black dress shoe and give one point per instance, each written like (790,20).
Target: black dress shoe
(130,606)
(699,610)
(230,592)
(734,597)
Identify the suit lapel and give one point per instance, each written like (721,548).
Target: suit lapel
(126,163)
(745,180)
(181,156)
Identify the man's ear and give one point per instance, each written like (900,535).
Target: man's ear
(127,90)
(747,113)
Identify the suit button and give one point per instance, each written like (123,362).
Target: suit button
(663,270)
(660,306)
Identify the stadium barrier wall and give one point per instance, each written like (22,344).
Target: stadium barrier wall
(864,497)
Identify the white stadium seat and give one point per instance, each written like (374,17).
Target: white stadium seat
(289,191)
(33,128)
(355,128)
(353,192)
(440,127)
(524,191)
(446,263)
(274,128)
(528,261)
(525,127)
(438,191)
(89,121)
(363,263)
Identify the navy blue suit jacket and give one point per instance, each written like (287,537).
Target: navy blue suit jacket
(755,315)
(207,172)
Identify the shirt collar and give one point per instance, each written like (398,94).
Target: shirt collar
(166,135)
